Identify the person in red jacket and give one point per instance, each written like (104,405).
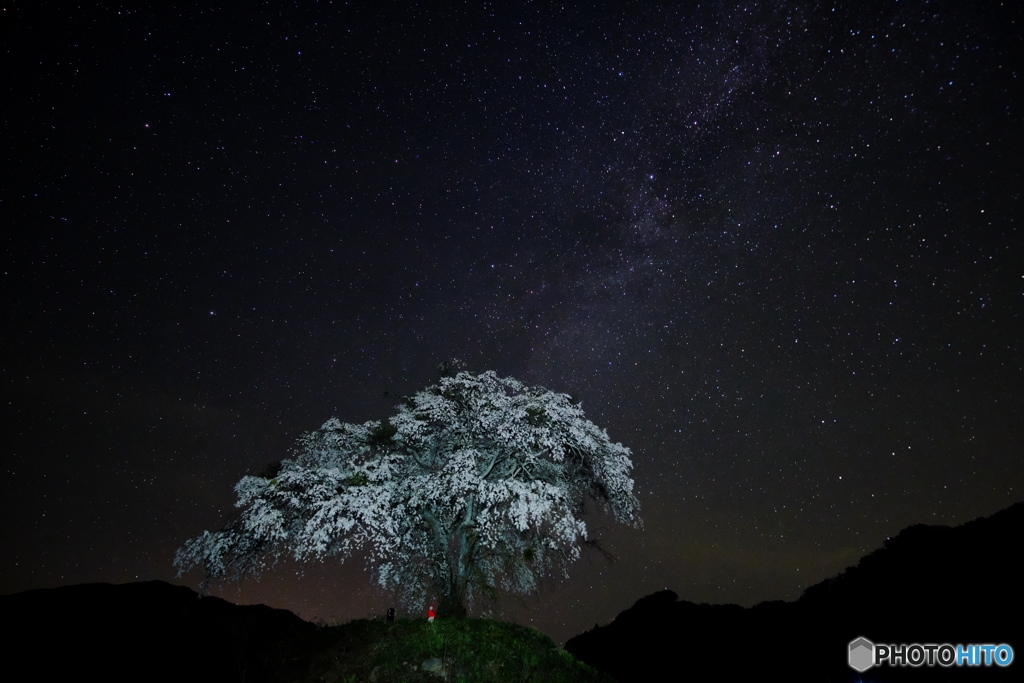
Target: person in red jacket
(431,614)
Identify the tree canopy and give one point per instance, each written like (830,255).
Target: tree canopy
(477,484)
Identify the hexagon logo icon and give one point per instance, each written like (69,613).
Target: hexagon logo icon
(862,654)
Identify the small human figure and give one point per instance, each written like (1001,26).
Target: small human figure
(431,614)
(391,614)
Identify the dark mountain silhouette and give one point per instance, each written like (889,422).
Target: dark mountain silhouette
(147,631)
(929,584)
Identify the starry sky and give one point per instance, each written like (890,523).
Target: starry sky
(775,249)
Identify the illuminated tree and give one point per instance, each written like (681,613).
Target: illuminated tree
(477,483)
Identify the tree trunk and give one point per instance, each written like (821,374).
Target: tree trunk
(452,608)
(454,600)
(451,595)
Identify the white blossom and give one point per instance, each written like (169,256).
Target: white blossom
(477,482)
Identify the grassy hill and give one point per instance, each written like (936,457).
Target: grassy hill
(451,649)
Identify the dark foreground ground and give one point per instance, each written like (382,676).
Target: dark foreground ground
(153,631)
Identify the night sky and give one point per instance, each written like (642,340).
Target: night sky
(775,249)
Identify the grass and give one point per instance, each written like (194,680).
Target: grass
(467,649)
